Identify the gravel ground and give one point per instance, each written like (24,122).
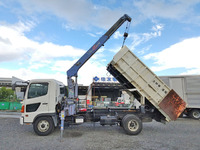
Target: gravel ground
(182,134)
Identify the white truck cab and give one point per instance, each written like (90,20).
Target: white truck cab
(40,104)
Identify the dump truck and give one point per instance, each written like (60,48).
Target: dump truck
(46,107)
(188,88)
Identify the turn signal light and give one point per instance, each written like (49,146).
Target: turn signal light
(22,109)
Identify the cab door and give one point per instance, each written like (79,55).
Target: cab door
(37,100)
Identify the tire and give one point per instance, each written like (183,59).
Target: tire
(132,125)
(195,114)
(43,126)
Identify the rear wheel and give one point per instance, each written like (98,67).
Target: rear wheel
(132,124)
(195,114)
(43,126)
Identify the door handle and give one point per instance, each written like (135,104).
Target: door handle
(44,103)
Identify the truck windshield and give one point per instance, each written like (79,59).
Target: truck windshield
(37,89)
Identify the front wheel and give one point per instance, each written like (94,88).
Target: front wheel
(43,126)
(195,114)
(132,124)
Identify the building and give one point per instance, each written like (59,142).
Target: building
(102,90)
(6,82)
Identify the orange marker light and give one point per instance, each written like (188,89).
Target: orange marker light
(22,109)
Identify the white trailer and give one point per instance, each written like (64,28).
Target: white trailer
(188,88)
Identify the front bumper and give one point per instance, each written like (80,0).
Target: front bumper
(21,120)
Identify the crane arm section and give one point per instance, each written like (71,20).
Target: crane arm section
(72,72)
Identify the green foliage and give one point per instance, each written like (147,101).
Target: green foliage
(7,95)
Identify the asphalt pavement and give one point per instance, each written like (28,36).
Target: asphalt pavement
(182,134)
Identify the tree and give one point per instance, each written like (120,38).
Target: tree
(6,94)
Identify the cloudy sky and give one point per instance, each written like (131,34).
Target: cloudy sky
(44,38)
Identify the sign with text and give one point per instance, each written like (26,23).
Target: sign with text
(104,79)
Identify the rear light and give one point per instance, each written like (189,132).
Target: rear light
(22,109)
(82,109)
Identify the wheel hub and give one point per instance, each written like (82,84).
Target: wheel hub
(133,125)
(196,114)
(43,125)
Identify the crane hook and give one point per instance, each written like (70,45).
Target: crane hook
(126,33)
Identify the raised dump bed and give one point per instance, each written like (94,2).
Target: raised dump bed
(131,72)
